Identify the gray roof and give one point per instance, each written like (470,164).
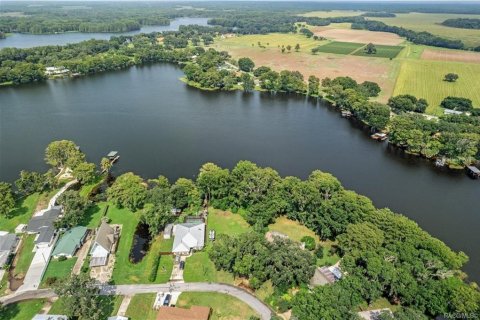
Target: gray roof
(44,224)
(105,236)
(7,241)
(474,169)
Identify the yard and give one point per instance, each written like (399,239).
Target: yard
(25,255)
(424,79)
(109,305)
(58,269)
(87,188)
(22,310)
(141,307)
(226,222)
(21,214)
(294,230)
(224,307)
(199,268)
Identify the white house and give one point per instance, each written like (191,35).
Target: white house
(188,237)
(103,245)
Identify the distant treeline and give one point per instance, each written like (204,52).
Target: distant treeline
(462,23)
(379,14)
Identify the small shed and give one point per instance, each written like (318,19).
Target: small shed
(112,155)
(473,172)
(167,232)
(70,242)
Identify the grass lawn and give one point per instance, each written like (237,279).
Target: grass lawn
(141,307)
(109,305)
(424,79)
(340,47)
(431,23)
(20,214)
(93,216)
(25,255)
(124,271)
(328,258)
(22,310)
(382,52)
(86,189)
(293,229)
(58,269)
(381,303)
(224,307)
(199,268)
(226,222)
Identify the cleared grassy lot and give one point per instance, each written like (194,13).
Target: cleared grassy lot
(226,222)
(22,310)
(382,52)
(292,229)
(109,305)
(224,307)
(199,268)
(340,47)
(141,307)
(424,79)
(431,22)
(58,269)
(20,214)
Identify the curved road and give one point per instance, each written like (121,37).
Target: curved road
(130,289)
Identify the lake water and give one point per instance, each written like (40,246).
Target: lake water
(159,125)
(21,40)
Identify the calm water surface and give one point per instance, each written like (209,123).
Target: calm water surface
(161,126)
(21,40)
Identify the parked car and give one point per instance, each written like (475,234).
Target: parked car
(167,300)
(182,265)
(177,259)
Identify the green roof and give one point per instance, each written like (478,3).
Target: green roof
(70,241)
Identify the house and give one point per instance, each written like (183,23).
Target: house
(50,71)
(188,236)
(49,317)
(103,245)
(43,225)
(194,313)
(70,242)
(374,314)
(167,232)
(449,111)
(117,318)
(8,244)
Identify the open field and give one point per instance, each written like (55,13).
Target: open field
(58,269)
(292,229)
(424,79)
(431,23)
(382,52)
(333,13)
(20,214)
(340,47)
(224,307)
(141,307)
(22,310)
(226,222)
(199,268)
(451,55)
(109,305)
(322,65)
(359,36)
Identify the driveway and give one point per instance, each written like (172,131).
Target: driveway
(37,268)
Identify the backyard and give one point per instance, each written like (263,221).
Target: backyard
(58,270)
(22,310)
(22,213)
(199,268)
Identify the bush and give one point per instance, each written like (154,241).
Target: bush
(50,281)
(62,258)
(153,272)
(283,305)
(309,242)
(319,252)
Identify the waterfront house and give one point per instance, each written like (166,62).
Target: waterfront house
(174,313)
(103,245)
(8,244)
(53,71)
(188,236)
(43,226)
(70,242)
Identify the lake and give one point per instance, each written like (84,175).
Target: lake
(21,40)
(159,125)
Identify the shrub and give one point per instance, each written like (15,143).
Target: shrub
(51,281)
(319,252)
(153,272)
(309,243)
(283,305)
(62,258)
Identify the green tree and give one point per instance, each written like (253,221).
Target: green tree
(63,153)
(74,207)
(289,48)
(313,86)
(297,47)
(213,181)
(30,182)
(105,165)
(248,83)
(128,191)
(246,64)
(157,216)
(370,49)
(361,237)
(7,202)
(451,77)
(185,194)
(309,242)
(84,172)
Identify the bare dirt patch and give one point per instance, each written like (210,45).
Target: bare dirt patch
(359,36)
(447,55)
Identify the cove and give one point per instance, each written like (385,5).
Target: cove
(159,125)
(23,40)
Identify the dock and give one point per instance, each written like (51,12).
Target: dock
(346,114)
(113,156)
(473,172)
(379,136)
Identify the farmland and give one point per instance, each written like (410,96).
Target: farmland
(451,55)
(333,13)
(359,36)
(424,79)
(382,52)
(340,47)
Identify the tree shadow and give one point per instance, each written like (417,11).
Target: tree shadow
(89,214)
(9,312)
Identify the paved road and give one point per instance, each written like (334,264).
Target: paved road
(131,289)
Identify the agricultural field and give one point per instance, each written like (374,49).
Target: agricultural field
(382,52)
(358,36)
(333,13)
(224,307)
(340,47)
(424,79)
(430,22)
(450,55)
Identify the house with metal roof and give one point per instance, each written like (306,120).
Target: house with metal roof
(103,245)
(188,237)
(8,243)
(70,242)
(43,225)
(49,317)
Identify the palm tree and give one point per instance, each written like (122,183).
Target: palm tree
(105,164)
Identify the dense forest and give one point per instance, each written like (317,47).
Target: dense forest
(462,23)
(383,254)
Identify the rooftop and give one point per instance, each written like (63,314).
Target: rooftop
(173,313)
(105,236)
(44,224)
(474,169)
(188,236)
(70,241)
